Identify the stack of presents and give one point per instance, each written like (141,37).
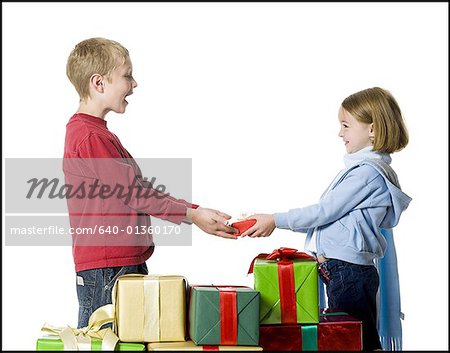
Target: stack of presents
(165,313)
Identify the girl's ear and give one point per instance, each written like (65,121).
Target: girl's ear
(371,133)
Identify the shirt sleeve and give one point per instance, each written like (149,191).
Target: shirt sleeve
(104,161)
(352,193)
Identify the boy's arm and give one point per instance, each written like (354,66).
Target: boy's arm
(101,158)
(109,167)
(147,184)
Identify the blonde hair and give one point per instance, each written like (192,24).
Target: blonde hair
(93,56)
(378,106)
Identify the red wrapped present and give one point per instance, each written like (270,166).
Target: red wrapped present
(242,226)
(335,332)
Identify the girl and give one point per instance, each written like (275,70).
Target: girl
(344,230)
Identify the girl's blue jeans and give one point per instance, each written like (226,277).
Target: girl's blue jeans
(94,288)
(352,288)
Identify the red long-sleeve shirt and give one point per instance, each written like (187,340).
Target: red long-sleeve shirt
(94,156)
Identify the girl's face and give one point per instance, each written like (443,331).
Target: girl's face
(356,135)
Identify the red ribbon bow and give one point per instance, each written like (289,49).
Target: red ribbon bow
(280,255)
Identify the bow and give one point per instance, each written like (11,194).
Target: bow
(80,338)
(281,254)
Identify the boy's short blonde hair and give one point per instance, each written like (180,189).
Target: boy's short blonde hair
(93,56)
(378,106)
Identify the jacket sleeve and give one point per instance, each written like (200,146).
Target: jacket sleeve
(351,193)
(101,158)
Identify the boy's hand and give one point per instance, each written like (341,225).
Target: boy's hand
(264,226)
(212,222)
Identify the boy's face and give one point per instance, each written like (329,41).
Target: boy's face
(356,135)
(118,87)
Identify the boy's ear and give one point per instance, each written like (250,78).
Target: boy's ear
(97,83)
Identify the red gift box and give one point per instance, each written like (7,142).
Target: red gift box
(242,226)
(335,332)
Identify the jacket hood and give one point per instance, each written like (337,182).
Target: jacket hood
(400,200)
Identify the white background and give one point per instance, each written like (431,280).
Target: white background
(250,92)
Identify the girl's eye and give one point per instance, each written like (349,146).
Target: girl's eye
(345,125)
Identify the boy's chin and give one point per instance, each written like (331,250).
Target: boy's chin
(119,111)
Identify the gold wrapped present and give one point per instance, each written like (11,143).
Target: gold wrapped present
(191,346)
(150,308)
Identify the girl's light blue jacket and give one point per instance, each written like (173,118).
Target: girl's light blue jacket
(364,198)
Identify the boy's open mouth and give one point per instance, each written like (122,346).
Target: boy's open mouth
(129,94)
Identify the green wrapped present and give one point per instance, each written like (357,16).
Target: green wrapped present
(220,315)
(91,337)
(54,343)
(288,283)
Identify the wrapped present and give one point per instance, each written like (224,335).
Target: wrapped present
(92,337)
(220,315)
(150,308)
(54,343)
(191,346)
(243,225)
(288,283)
(335,332)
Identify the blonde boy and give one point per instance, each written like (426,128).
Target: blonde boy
(102,73)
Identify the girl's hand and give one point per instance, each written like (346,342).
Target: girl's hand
(264,226)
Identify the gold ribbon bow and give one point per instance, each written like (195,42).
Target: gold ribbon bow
(80,338)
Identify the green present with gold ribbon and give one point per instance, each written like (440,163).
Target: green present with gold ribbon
(288,283)
(54,343)
(92,337)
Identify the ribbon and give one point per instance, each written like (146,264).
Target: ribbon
(148,297)
(280,254)
(228,316)
(286,284)
(210,348)
(80,339)
(309,338)
(286,280)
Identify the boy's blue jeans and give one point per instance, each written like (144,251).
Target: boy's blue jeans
(94,288)
(352,288)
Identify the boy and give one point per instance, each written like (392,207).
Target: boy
(101,71)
